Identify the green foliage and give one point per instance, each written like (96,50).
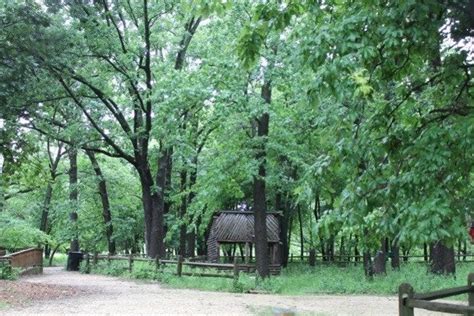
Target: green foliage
(371,121)
(18,234)
(7,272)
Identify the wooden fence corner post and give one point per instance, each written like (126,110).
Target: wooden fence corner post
(180,266)
(96,258)
(236,272)
(130,263)
(470,295)
(405,292)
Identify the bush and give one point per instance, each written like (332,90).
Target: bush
(18,234)
(144,271)
(7,272)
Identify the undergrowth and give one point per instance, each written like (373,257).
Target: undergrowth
(7,272)
(296,279)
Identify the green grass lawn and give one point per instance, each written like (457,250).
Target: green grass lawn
(301,279)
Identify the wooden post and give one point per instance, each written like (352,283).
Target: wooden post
(130,263)
(88,263)
(108,258)
(405,292)
(96,258)
(236,272)
(157,263)
(41,260)
(470,295)
(180,266)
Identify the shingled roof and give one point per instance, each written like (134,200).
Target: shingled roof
(238,226)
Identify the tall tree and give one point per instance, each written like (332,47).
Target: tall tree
(104,198)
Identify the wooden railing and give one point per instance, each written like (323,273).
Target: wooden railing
(221,268)
(351,259)
(408,300)
(30,261)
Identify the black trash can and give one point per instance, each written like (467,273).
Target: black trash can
(74,260)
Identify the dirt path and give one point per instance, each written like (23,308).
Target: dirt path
(101,295)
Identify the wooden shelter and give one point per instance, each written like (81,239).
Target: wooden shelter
(237,227)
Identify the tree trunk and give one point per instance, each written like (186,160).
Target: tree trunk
(368,267)
(300,220)
(379,259)
(442,259)
(259,194)
(356,250)
(153,205)
(312,257)
(104,197)
(46,204)
(182,215)
(395,255)
(73,199)
(284,219)
(191,235)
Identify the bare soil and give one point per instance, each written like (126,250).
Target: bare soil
(58,292)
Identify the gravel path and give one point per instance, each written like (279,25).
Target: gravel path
(102,295)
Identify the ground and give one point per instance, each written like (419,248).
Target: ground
(60,292)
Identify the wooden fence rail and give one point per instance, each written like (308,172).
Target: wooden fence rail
(30,261)
(408,300)
(235,267)
(351,259)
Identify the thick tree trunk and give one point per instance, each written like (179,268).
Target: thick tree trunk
(73,199)
(153,205)
(442,259)
(379,259)
(104,197)
(259,193)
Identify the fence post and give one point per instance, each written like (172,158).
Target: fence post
(236,272)
(96,258)
(41,260)
(470,295)
(180,265)
(157,263)
(108,258)
(88,262)
(130,263)
(405,292)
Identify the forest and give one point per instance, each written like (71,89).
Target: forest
(126,126)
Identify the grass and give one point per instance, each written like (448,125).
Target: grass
(299,279)
(351,280)
(59,260)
